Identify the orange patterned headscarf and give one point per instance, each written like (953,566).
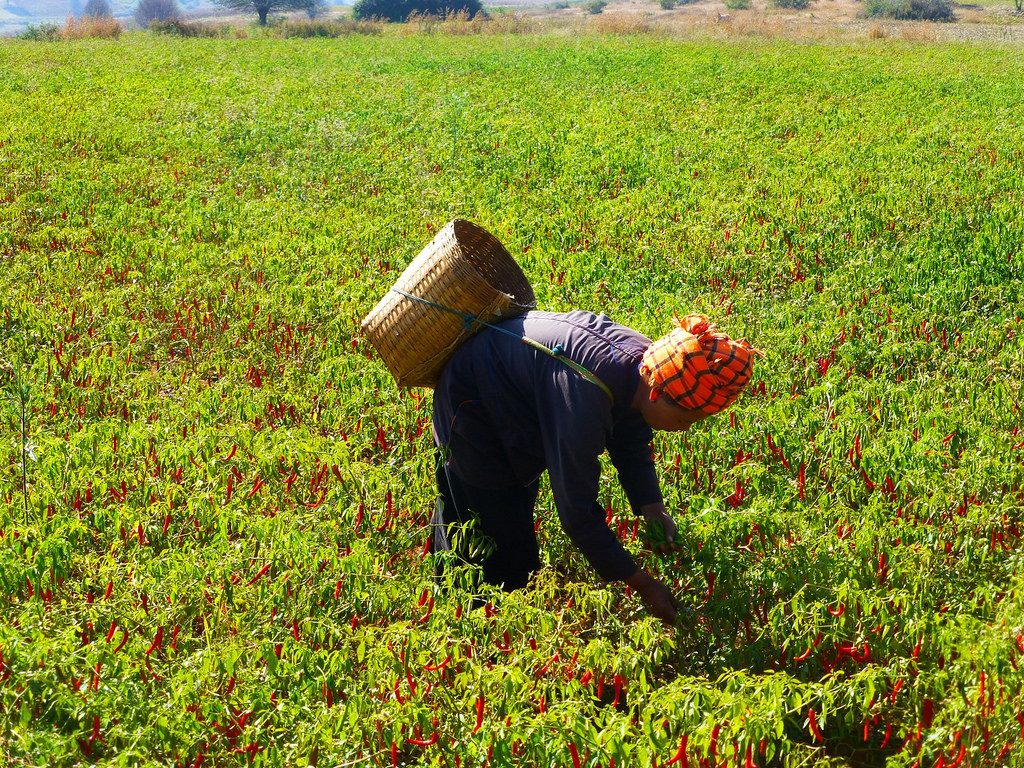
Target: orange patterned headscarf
(699,367)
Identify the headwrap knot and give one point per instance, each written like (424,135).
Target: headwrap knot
(696,365)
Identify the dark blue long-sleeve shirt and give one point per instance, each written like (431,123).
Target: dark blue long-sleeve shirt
(506,412)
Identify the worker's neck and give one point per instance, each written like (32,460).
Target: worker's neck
(641,396)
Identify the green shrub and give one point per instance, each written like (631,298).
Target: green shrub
(43,32)
(667,5)
(791,4)
(327,28)
(401,10)
(594,6)
(737,5)
(910,10)
(180,28)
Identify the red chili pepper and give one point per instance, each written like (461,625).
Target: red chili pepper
(837,611)
(430,610)
(959,757)
(394,754)
(158,640)
(295,631)
(113,628)
(123,641)
(575,755)
(435,667)
(256,485)
(895,690)
(888,733)
(479,711)
(260,574)
(813,723)
(425,742)
(680,756)
(805,654)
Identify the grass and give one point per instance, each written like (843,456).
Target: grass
(228,486)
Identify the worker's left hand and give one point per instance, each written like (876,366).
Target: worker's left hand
(661,528)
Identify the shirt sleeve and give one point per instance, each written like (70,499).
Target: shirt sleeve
(630,451)
(575,419)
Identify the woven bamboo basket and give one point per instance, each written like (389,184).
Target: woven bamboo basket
(464,268)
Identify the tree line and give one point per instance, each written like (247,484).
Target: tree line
(149,11)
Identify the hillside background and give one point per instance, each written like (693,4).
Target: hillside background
(15,15)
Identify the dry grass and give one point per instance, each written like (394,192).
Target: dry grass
(327,28)
(921,31)
(90,26)
(461,24)
(621,24)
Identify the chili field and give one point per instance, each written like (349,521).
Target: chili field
(215,500)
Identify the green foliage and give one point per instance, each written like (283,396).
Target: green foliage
(264,7)
(594,7)
(323,28)
(667,5)
(910,10)
(42,31)
(226,483)
(179,28)
(402,10)
(790,4)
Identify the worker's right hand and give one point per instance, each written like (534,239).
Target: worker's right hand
(656,596)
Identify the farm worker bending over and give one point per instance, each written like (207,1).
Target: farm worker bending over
(505,410)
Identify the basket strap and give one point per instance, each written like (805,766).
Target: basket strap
(557,353)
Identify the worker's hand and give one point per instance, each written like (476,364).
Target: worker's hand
(656,596)
(661,528)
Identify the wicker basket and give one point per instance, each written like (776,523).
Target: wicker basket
(465,269)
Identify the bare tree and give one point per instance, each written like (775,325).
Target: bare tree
(98,9)
(156,10)
(263,7)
